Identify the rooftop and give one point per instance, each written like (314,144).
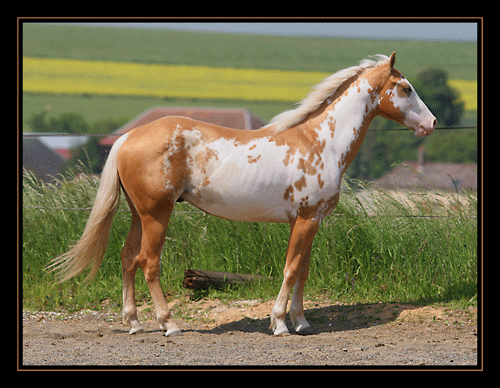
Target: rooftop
(433,175)
(239,118)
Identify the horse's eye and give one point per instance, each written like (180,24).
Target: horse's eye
(407,91)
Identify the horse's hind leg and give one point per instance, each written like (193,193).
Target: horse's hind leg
(129,255)
(154,226)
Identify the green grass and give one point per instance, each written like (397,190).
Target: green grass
(356,257)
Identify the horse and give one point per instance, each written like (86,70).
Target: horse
(288,171)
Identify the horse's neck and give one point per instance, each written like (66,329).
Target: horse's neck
(343,124)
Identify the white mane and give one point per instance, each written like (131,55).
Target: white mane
(321,92)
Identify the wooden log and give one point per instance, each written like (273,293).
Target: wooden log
(196,279)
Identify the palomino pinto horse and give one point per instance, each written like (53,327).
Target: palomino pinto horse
(288,171)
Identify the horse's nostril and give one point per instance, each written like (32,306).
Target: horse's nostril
(434,123)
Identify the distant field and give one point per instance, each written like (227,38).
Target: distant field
(245,51)
(69,76)
(217,50)
(468,92)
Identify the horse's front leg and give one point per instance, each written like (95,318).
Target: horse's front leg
(299,321)
(302,232)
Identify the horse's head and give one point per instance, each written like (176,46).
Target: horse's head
(398,101)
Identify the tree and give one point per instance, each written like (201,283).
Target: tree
(92,152)
(442,100)
(65,123)
(38,122)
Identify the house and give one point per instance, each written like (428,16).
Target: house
(431,187)
(41,159)
(436,175)
(44,153)
(431,175)
(239,118)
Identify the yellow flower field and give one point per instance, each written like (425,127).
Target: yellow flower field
(468,92)
(70,76)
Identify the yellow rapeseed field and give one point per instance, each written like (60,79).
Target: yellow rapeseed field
(70,76)
(468,92)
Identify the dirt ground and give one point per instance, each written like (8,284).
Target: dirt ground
(236,333)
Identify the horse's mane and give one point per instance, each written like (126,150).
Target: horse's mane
(321,92)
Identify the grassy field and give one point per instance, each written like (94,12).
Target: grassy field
(355,257)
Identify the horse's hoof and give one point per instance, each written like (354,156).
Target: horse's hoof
(173,333)
(136,330)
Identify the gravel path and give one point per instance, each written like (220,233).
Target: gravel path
(236,333)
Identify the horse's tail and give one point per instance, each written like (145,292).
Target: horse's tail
(91,247)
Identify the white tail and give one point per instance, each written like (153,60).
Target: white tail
(91,247)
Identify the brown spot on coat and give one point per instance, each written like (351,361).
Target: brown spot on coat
(301,183)
(288,194)
(321,182)
(252,159)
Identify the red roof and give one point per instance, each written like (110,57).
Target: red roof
(225,117)
(63,152)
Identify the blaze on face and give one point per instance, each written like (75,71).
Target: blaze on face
(401,103)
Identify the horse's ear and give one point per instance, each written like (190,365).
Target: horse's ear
(392,59)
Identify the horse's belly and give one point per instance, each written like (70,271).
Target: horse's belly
(238,199)
(243,212)
(242,195)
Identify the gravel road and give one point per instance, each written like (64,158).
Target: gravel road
(236,333)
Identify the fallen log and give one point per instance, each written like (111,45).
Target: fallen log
(196,279)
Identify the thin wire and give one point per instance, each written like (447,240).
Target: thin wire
(29,135)
(408,129)
(89,209)
(200,212)
(32,135)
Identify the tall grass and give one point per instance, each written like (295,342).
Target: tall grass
(368,250)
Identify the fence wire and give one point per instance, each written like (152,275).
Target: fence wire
(201,212)
(31,135)
(35,135)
